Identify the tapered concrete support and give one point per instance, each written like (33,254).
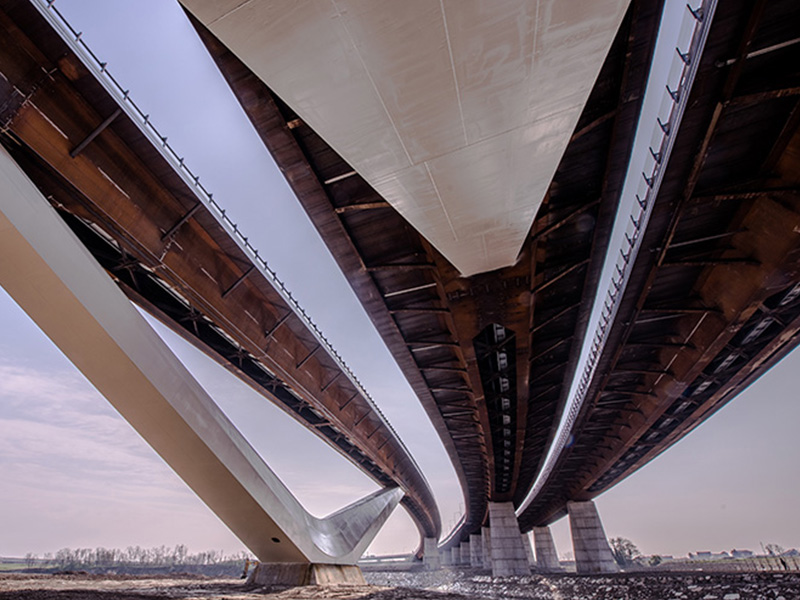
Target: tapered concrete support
(592,552)
(526,542)
(52,276)
(546,555)
(486,538)
(465,560)
(508,553)
(476,551)
(431,559)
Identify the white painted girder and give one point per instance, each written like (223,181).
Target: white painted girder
(456,111)
(55,280)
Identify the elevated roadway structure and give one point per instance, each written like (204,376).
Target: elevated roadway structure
(146,219)
(420,163)
(493,349)
(489,354)
(713,298)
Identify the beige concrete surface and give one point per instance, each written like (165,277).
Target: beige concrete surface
(592,552)
(457,112)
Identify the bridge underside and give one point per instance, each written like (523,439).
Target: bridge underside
(714,297)
(712,303)
(490,356)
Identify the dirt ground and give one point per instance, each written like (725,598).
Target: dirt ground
(110,587)
(442,585)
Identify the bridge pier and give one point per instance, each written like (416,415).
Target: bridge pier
(546,555)
(508,553)
(486,547)
(476,550)
(431,558)
(526,543)
(592,552)
(464,553)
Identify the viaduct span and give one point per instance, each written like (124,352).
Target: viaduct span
(486,310)
(492,345)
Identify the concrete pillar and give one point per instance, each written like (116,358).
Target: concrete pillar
(526,543)
(486,538)
(430,558)
(475,550)
(546,555)
(456,555)
(465,553)
(592,552)
(444,557)
(508,554)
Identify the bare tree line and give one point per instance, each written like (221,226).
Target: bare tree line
(132,556)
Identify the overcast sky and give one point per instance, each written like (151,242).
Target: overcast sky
(73,473)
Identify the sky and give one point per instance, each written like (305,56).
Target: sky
(74,474)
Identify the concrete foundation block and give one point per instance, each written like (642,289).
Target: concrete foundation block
(476,551)
(486,539)
(508,553)
(546,555)
(305,574)
(431,559)
(592,552)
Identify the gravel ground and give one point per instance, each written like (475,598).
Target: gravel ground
(634,586)
(446,584)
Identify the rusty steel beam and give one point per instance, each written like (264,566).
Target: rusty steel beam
(733,338)
(95,132)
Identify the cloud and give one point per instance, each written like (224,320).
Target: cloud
(57,431)
(75,473)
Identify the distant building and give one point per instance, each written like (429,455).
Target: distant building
(741,553)
(708,555)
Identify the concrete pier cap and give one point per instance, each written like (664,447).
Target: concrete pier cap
(592,552)
(546,555)
(508,552)
(465,558)
(431,557)
(486,538)
(475,550)
(526,542)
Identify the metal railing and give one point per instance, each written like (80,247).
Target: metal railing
(74,40)
(636,203)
